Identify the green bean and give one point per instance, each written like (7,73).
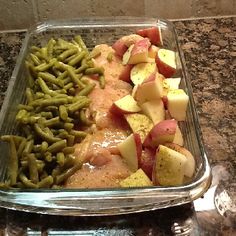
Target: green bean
(32,119)
(53,102)
(68,86)
(28,147)
(63,134)
(69,161)
(109,57)
(37,148)
(102,81)
(56,72)
(52,109)
(80,42)
(81,68)
(50,78)
(63,43)
(40,165)
(25,107)
(21,147)
(44,53)
(45,88)
(57,146)
(77,59)
(48,157)
(34,48)
(62,76)
(46,114)
(85,91)
(68,150)
(47,130)
(29,95)
(32,72)
(78,134)
(46,66)
(35,59)
(78,105)
(40,56)
(13,165)
(27,183)
(64,176)
(74,77)
(70,140)
(4,185)
(67,80)
(21,114)
(60,158)
(38,155)
(90,63)
(72,91)
(61,91)
(96,70)
(52,122)
(50,47)
(63,112)
(33,170)
(46,182)
(56,171)
(83,118)
(68,126)
(17,139)
(67,53)
(69,58)
(39,95)
(44,146)
(45,136)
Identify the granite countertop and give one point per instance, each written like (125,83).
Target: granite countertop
(209,46)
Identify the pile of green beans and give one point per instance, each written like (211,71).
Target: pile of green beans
(56,103)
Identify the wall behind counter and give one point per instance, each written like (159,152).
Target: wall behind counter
(20,14)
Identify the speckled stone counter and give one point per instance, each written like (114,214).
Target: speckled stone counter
(209,47)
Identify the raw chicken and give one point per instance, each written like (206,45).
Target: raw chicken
(106,176)
(103,166)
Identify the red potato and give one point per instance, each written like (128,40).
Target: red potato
(178,139)
(125,74)
(190,164)
(131,150)
(125,105)
(177,103)
(152,51)
(165,61)
(150,89)
(137,53)
(153,33)
(169,167)
(170,84)
(140,124)
(141,72)
(131,39)
(119,47)
(163,132)
(146,161)
(154,109)
(165,101)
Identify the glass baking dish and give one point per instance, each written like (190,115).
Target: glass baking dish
(101,201)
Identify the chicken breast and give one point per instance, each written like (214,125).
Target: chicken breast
(103,166)
(105,176)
